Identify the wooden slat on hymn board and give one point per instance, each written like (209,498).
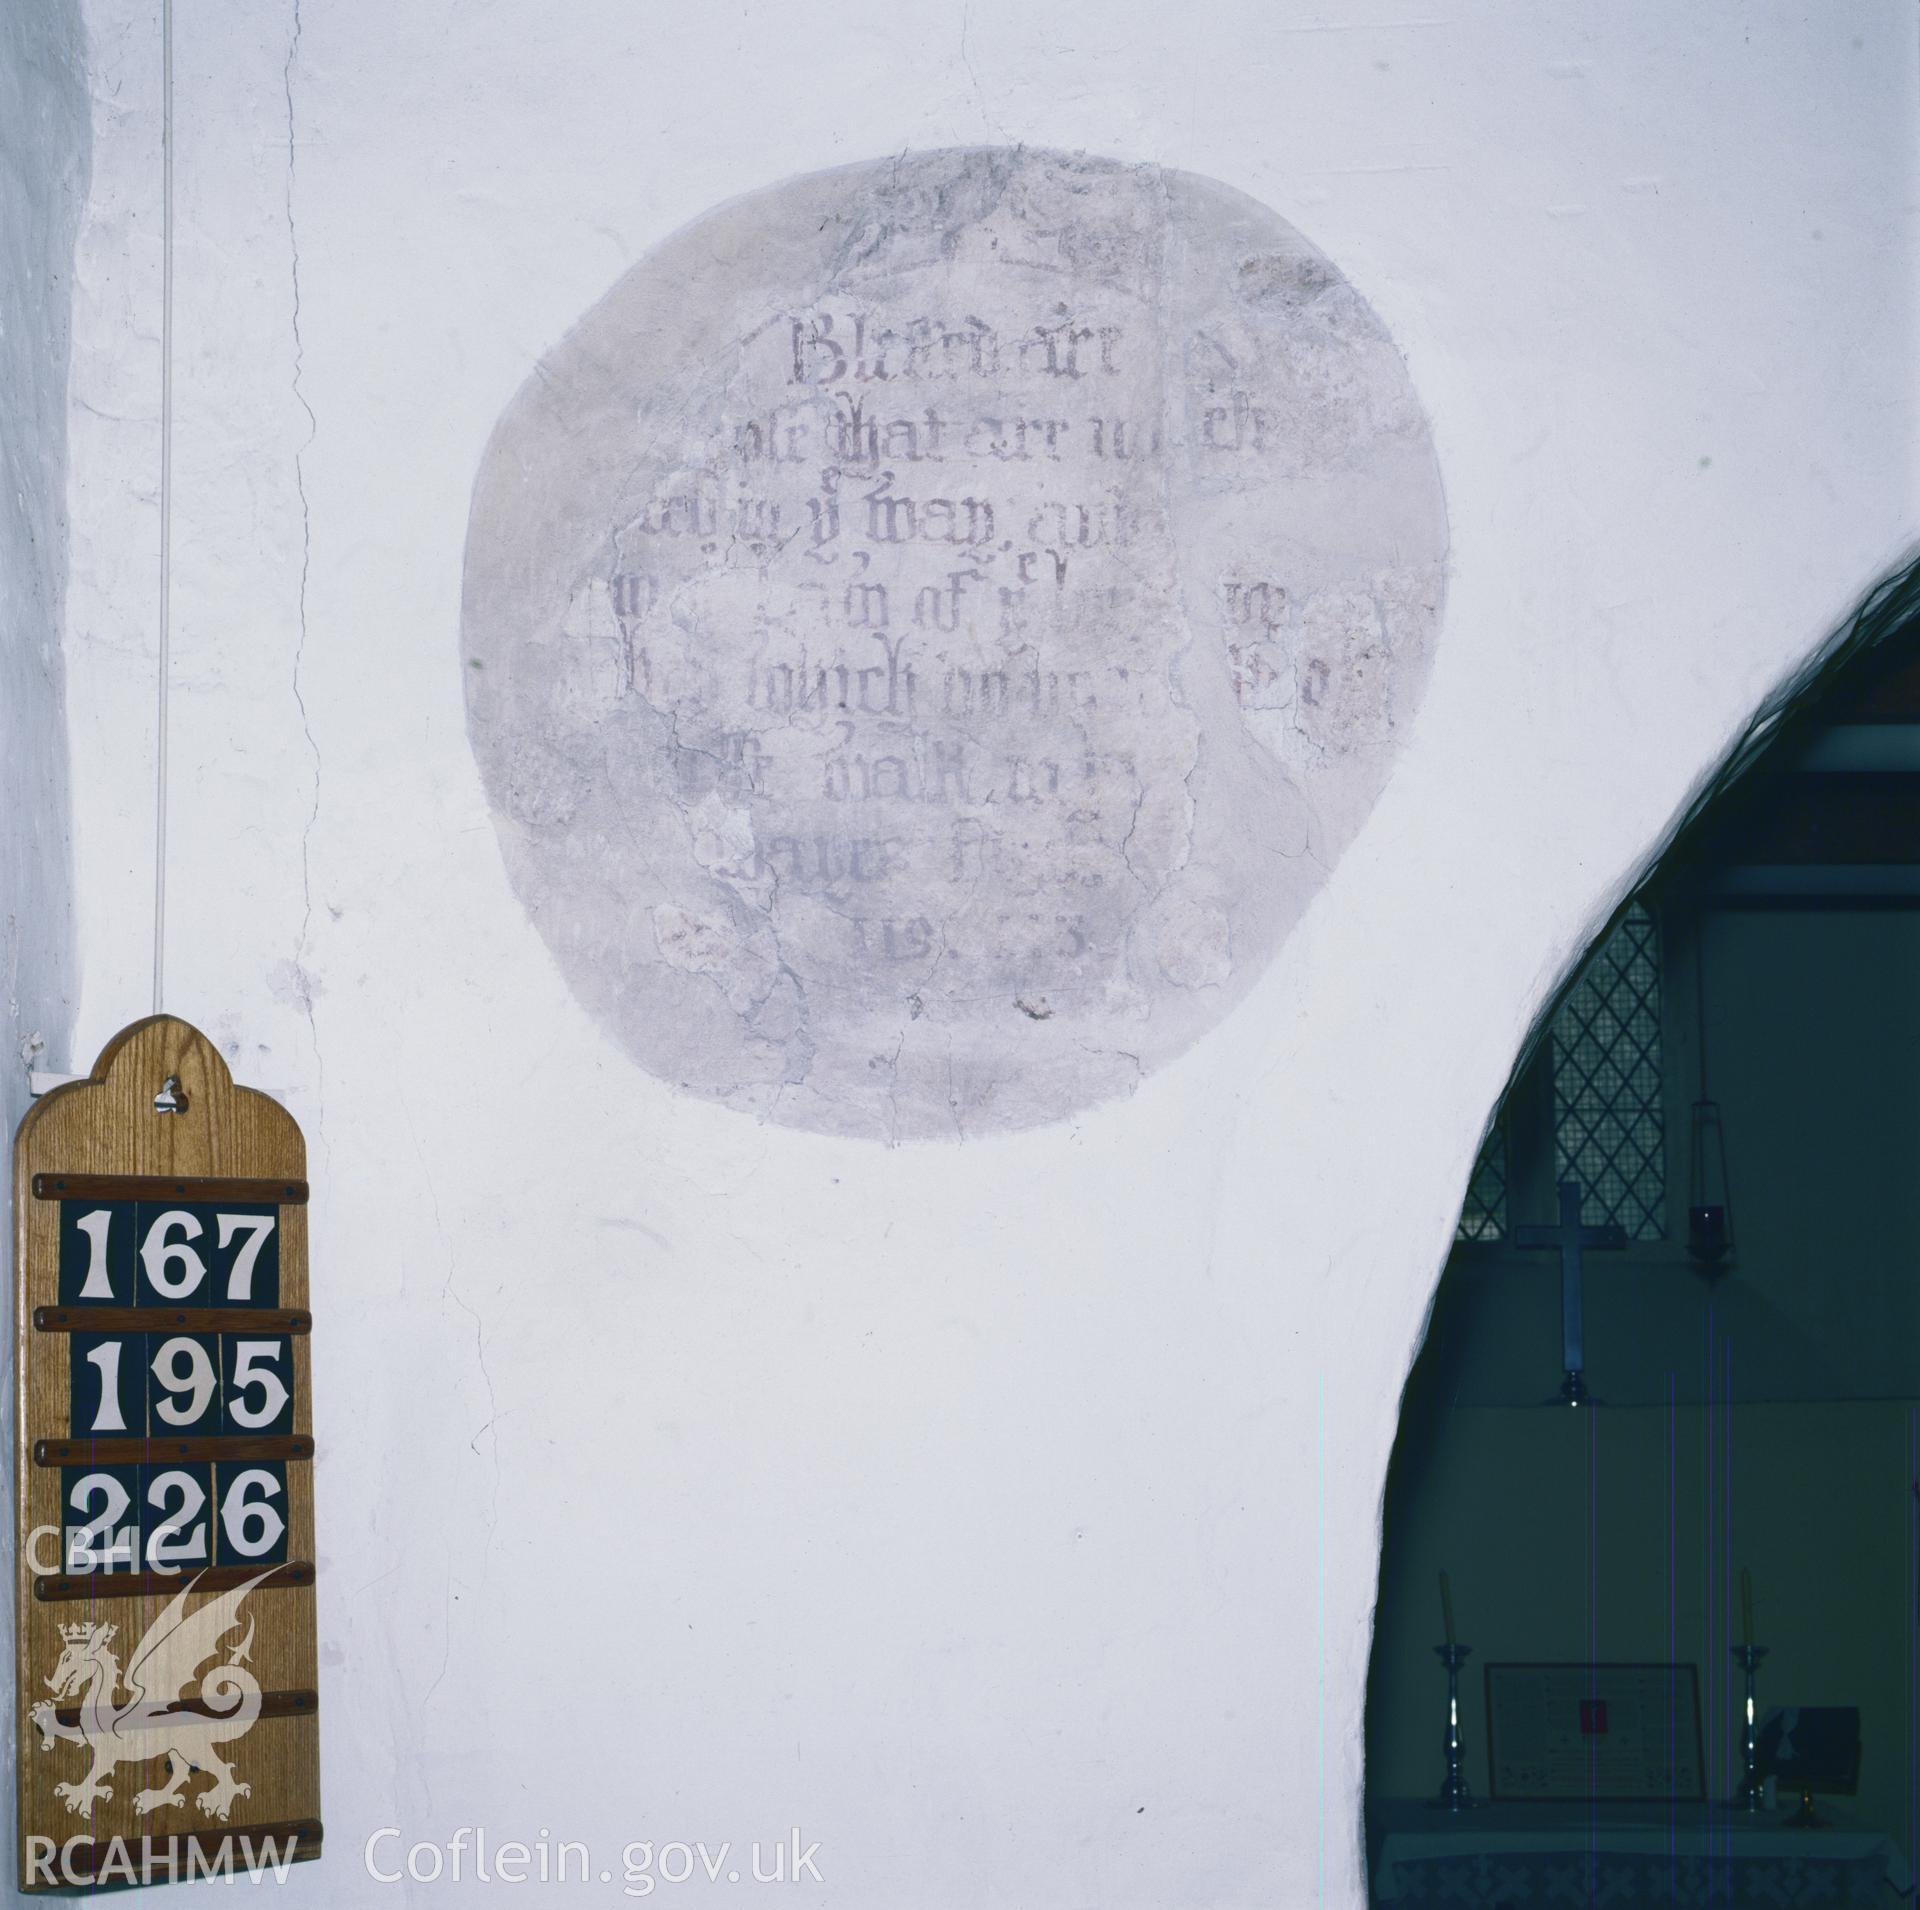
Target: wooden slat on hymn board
(49,1587)
(156,1187)
(164,1319)
(155,1451)
(306,1835)
(105,1130)
(273,1704)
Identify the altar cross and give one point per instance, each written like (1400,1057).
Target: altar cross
(1569,1238)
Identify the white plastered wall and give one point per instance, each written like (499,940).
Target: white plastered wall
(1003,1515)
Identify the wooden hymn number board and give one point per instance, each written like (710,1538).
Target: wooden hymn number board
(164,1603)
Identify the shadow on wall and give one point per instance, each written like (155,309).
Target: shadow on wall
(45,143)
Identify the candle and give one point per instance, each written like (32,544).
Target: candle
(1446,1608)
(1746,1607)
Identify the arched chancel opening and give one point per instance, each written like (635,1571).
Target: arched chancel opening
(1667,1411)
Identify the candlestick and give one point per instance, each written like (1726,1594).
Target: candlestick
(1749,1796)
(1454,1794)
(1446,1608)
(1746,1607)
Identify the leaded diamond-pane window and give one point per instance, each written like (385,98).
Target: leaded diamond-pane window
(1484,1214)
(1608,1130)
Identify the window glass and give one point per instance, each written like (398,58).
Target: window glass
(1609,1130)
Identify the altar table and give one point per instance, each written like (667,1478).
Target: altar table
(1626,1857)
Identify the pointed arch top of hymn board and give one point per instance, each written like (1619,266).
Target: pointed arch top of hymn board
(222,1129)
(163,1445)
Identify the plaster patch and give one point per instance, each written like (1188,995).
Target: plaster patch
(932,627)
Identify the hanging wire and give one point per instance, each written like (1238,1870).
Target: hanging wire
(165,644)
(1700,998)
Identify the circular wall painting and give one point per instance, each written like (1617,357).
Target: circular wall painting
(932,627)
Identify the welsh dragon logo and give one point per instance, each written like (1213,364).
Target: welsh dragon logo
(160,1717)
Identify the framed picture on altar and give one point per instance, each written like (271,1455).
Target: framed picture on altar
(1594,1733)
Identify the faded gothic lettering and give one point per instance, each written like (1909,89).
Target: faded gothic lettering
(932,628)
